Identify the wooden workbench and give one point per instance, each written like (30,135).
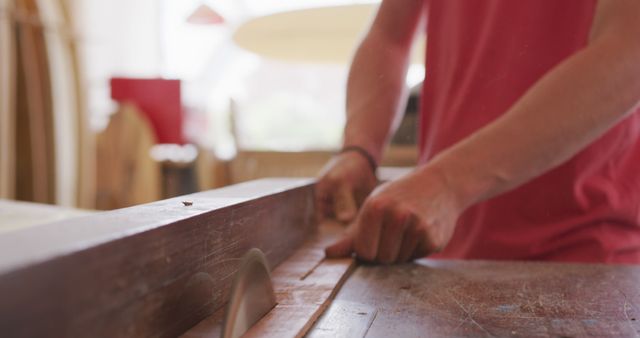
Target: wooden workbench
(164,269)
(454,298)
(438,298)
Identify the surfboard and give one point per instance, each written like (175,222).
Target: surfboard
(35,174)
(63,93)
(7,101)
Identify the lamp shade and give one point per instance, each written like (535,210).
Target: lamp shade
(321,35)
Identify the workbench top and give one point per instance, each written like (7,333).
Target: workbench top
(165,269)
(444,298)
(448,298)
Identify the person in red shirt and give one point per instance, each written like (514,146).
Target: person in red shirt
(529,134)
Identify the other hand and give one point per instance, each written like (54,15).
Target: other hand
(344,184)
(402,220)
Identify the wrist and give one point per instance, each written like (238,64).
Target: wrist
(362,140)
(362,153)
(467,185)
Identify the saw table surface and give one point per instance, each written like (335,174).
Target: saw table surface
(164,269)
(446,298)
(438,298)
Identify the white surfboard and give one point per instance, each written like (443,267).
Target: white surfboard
(64,102)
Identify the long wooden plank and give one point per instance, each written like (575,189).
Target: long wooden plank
(440,298)
(152,270)
(301,299)
(304,285)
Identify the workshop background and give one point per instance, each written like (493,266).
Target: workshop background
(108,104)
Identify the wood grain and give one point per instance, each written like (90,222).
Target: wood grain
(305,285)
(344,320)
(438,298)
(152,270)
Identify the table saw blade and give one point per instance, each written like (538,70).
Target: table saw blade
(252,295)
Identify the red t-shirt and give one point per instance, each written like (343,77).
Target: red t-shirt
(482,56)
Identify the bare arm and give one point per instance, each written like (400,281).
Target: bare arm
(567,109)
(376,88)
(375,95)
(570,107)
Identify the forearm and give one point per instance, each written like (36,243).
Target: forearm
(376,93)
(566,110)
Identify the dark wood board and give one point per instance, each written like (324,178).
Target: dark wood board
(486,299)
(152,270)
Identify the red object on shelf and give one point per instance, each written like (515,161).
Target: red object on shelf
(159,99)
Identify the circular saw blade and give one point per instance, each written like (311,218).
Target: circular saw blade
(252,295)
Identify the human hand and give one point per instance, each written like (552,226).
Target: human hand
(402,220)
(344,183)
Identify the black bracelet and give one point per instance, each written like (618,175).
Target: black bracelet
(364,153)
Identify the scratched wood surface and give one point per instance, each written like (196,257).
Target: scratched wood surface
(486,299)
(152,270)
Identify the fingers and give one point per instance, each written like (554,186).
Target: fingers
(386,234)
(322,200)
(343,184)
(341,248)
(420,251)
(393,230)
(409,242)
(344,206)
(368,227)
(335,199)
